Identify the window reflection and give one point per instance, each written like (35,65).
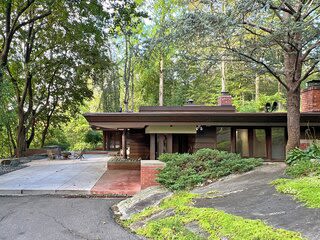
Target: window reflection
(259,143)
(278,143)
(242,144)
(224,138)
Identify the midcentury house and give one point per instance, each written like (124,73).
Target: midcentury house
(155,130)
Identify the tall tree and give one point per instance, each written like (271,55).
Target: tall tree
(55,64)
(126,18)
(281,37)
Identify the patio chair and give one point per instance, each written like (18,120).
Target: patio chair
(78,155)
(51,155)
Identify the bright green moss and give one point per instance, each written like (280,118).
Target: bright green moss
(217,224)
(306,189)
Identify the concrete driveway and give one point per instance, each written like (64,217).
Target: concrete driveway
(250,195)
(51,218)
(55,176)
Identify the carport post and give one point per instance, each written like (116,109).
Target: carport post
(152,147)
(124,143)
(104,140)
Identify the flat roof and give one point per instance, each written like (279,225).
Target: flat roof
(142,119)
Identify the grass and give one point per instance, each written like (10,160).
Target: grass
(304,189)
(217,224)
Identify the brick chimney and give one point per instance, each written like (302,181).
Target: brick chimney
(225,99)
(310,97)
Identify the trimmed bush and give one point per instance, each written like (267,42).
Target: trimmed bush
(185,171)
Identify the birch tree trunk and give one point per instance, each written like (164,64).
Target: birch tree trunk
(223,76)
(257,85)
(161,82)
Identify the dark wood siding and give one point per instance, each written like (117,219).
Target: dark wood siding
(138,142)
(205,138)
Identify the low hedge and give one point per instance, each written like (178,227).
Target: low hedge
(185,171)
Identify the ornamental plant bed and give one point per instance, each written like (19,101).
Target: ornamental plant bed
(118,163)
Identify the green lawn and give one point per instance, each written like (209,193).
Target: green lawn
(304,189)
(217,224)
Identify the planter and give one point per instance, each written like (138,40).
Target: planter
(124,165)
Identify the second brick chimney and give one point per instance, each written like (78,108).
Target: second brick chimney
(310,97)
(225,99)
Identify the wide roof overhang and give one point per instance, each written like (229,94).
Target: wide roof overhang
(143,119)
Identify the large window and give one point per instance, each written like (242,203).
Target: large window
(242,142)
(224,138)
(259,143)
(278,143)
(114,140)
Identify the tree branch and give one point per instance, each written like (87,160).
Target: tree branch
(32,20)
(268,30)
(309,72)
(308,51)
(307,14)
(269,69)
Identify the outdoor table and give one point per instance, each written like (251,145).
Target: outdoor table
(65,154)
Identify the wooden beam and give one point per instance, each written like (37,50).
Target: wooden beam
(160,141)
(104,140)
(250,141)
(269,143)
(152,147)
(233,140)
(124,143)
(169,143)
(108,140)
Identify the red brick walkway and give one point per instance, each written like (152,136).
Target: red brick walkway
(118,182)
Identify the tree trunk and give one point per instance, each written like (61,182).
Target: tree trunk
(293,121)
(44,135)
(293,71)
(132,89)
(257,85)
(161,81)
(223,76)
(125,75)
(21,137)
(280,107)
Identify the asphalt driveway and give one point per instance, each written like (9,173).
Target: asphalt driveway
(52,218)
(55,176)
(250,195)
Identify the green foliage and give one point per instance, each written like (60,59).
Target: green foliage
(57,136)
(185,171)
(74,135)
(93,137)
(303,168)
(306,189)
(259,105)
(216,223)
(297,154)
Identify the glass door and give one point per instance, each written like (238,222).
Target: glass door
(242,142)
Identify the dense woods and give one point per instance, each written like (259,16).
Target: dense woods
(59,59)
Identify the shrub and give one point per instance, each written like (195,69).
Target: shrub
(185,171)
(82,146)
(303,168)
(93,137)
(298,154)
